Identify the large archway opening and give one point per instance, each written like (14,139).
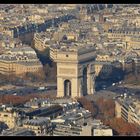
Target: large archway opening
(67,88)
(85,81)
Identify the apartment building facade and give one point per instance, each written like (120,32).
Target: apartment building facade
(128,109)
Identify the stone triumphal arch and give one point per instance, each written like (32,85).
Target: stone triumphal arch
(75,69)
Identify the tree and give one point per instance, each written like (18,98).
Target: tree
(87,105)
(122,127)
(106,108)
(50,72)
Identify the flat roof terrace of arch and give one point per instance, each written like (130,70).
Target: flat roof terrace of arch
(78,47)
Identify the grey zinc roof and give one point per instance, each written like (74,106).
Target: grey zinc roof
(23,48)
(38,121)
(15,57)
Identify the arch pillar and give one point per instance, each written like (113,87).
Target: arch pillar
(90,80)
(60,88)
(136,66)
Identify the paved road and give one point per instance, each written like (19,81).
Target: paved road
(29,90)
(113,91)
(124,89)
(106,94)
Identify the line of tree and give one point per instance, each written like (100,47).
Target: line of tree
(16,100)
(106,108)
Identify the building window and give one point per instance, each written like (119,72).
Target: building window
(5,115)
(67,55)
